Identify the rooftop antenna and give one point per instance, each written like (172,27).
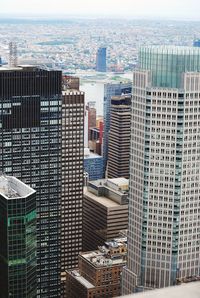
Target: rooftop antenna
(12,54)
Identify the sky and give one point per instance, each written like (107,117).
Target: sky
(173,9)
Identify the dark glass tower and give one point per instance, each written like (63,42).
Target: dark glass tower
(101,60)
(18,239)
(119,136)
(111,89)
(196,43)
(30,149)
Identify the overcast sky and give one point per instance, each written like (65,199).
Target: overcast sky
(180,9)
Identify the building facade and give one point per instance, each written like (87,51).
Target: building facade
(93,165)
(119,137)
(99,272)
(105,211)
(164,207)
(101,60)
(30,142)
(111,89)
(18,239)
(72,177)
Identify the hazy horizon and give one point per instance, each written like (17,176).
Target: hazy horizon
(143,9)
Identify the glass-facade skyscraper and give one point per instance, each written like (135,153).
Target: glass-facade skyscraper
(18,239)
(119,137)
(196,43)
(30,149)
(101,60)
(164,205)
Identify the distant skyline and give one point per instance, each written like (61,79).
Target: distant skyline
(171,9)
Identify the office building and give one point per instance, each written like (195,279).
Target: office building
(72,177)
(85,178)
(96,136)
(105,211)
(111,89)
(93,165)
(18,239)
(30,142)
(99,272)
(119,137)
(92,115)
(196,43)
(70,82)
(101,60)
(164,206)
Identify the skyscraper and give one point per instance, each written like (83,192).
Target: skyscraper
(119,136)
(92,115)
(111,89)
(196,43)
(164,210)
(17,238)
(72,177)
(101,60)
(30,149)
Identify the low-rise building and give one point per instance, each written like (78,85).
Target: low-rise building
(99,272)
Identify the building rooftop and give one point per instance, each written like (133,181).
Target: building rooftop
(12,188)
(81,279)
(183,291)
(108,192)
(24,67)
(176,50)
(118,183)
(101,199)
(112,253)
(89,154)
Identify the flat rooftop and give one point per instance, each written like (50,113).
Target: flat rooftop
(13,188)
(101,200)
(24,67)
(119,181)
(189,290)
(89,154)
(81,279)
(101,259)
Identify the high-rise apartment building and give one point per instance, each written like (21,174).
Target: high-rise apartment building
(101,60)
(119,136)
(111,89)
(17,238)
(72,177)
(30,149)
(164,206)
